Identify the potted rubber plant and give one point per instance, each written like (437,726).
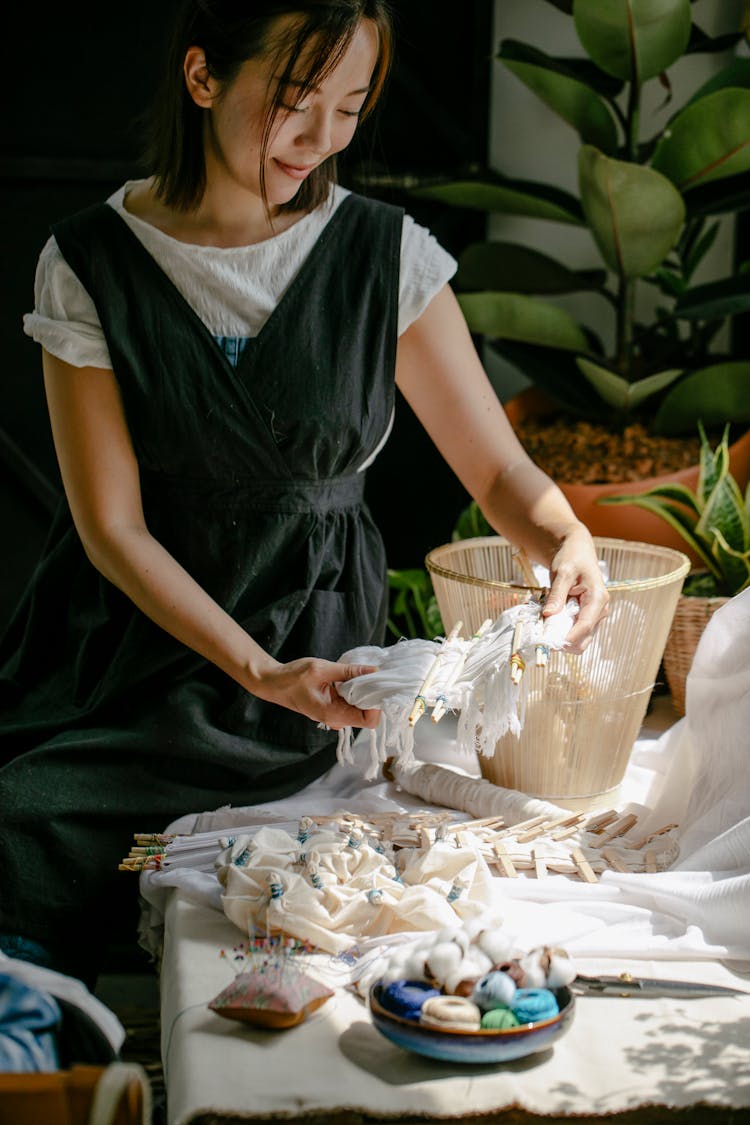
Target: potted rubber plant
(714,522)
(652,204)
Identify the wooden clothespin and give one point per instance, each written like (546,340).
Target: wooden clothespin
(420,701)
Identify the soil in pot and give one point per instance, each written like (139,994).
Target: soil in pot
(589,461)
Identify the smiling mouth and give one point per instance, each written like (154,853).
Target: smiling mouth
(297,173)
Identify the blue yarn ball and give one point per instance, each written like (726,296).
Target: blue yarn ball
(494,990)
(531,1005)
(406,997)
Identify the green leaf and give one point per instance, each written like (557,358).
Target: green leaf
(711,465)
(508,197)
(736,73)
(563,5)
(618,392)
(510,266)
(517,317)
(725,512)
(678,494)
(700,43)
(635,214)
(557,374)
(715,299)
(708,140)
(633,39)
(677,518)
(719,197)
(735,565)
(715,394)
(699,249)
(565,94)
(471,524)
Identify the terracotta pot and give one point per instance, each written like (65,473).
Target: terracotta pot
(626,522)
(691,616)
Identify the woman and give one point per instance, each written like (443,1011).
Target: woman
(220,345)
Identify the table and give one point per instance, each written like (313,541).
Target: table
(640,1060)
(643,1060)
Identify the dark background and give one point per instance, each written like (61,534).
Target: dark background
(78,79)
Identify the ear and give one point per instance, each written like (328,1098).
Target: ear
(200,85)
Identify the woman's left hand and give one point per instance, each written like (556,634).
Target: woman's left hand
(575,573)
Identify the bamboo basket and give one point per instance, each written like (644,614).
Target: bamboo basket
(582,713)
(690,619)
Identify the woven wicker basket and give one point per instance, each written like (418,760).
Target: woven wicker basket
(582,713)
(690,619)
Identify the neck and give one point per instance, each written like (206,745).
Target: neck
(226,217)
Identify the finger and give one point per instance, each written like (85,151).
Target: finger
(580,636)
(343,714)
(343,672)
(559,592)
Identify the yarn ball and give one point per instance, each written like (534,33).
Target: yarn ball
(406,997)
(530,1005)
(561,969)
(495,990)
(515,971)
(452,1013)
(535,965)
(442,960)
(499,1019)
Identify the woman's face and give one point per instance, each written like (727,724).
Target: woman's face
(303,135)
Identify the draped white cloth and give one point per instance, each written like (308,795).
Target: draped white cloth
(695,775)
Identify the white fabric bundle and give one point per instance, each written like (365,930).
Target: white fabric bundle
(330,889)
(471,676)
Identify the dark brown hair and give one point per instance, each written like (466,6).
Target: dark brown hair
(230,32)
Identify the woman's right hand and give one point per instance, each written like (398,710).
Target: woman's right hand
(308,686)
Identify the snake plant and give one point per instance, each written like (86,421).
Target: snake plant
(714,520)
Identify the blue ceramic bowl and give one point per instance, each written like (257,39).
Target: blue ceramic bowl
(485,1046)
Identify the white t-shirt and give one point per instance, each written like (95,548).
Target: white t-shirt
(233,290)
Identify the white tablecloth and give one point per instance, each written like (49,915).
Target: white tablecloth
(690,922)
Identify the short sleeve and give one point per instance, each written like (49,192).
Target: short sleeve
(64,320)
(425,268)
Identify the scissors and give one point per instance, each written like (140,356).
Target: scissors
(627,985)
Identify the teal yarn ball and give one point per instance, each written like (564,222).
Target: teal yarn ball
(531,1005)
(499,1019)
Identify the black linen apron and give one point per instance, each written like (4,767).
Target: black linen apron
(108,726)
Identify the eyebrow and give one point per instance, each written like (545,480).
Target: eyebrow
(300,85)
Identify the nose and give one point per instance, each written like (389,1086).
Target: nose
(316,131)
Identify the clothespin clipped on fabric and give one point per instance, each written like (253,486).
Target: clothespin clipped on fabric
(541,651)
(517,662)
(441,704)
(420,701)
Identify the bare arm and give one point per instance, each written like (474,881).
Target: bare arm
(440,374)
(101,480)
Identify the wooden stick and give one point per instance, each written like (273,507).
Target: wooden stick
(615,860)
(517,662)
(583,865)
(525,567)
(539,864)
(440,707)
(598,823)
(619,828)
(639,844)
(649,860)
(420,702)
(504,860)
